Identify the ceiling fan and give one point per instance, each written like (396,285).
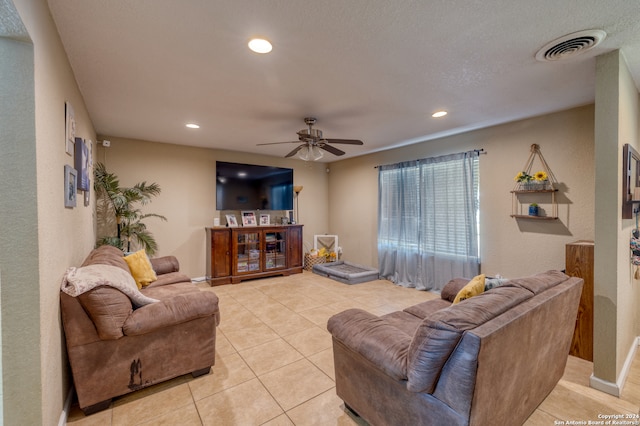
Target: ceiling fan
(313,142)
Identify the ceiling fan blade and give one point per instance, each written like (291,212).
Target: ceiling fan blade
(295,150)
(276,143)
(331,149)
(346,141)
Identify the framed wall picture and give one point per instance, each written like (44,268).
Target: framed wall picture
(70,185)
(69,128)
(82,164)
(232,222)
(265,220)
(248,219)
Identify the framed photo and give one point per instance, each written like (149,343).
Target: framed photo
(69,128)
(231,220)
(265,220)
(82,164)
(70,185)
(249,219)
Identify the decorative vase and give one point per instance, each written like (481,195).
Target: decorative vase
(533,210)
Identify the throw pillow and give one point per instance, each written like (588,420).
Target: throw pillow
(141,268)
(473,288)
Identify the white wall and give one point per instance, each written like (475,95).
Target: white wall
(615,293)
(186,176)
(50,236)
(510,247)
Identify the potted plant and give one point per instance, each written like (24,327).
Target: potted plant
(533,209)
(119,204)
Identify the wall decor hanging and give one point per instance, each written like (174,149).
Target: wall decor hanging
(529,183)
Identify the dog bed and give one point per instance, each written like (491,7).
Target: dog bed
(346,272)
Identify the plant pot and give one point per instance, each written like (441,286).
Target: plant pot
(533,210)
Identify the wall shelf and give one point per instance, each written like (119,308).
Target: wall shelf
(522,190)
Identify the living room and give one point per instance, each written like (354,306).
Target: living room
(581,144)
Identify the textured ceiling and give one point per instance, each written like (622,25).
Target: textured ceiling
(367,69)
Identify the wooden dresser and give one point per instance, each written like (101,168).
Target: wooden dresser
(579,263)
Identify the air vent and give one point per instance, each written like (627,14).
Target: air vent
(570,45)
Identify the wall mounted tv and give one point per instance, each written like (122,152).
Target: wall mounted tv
(253,187)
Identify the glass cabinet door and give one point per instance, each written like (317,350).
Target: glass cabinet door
(274,250)
(248,252)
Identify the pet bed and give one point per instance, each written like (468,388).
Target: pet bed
(346,272)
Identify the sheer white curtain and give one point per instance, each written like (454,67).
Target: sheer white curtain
(428,220)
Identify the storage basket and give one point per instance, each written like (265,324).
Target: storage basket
(309,261)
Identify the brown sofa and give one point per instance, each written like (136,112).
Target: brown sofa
(115,348)
(491,359)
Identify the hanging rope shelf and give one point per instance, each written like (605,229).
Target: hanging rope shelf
(540,182)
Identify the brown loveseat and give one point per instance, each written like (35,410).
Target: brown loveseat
(489,360)
(115,348)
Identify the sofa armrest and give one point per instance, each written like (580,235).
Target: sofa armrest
(169,312)
(374,338)
(165,264)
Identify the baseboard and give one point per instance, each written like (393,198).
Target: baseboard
(615,388)
(199,279)
(64,416)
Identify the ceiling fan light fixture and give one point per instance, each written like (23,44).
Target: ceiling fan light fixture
(303,153)
(316,153)
(260,45)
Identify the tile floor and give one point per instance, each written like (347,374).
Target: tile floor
(274,364)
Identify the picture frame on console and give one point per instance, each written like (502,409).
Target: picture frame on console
(248,218)
(265,220)
(231,220)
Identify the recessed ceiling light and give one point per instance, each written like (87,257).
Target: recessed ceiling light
(439,114)
(260,45)
(192,126)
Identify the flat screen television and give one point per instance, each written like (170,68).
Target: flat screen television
(253,187)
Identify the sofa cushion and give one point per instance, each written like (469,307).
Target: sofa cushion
(425,309)
(403,321)
(165,264)
(452,288)
(539,282)
(473,288)
(106,255)
(141,269)
(374,338)
(439,334)
(430,348)
(108,308)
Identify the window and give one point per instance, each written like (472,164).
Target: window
(428,220)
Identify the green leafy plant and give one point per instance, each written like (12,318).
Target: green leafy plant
(533,205)
(120,206)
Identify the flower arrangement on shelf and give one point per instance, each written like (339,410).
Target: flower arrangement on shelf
(537,181)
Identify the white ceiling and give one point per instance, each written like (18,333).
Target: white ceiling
(373,70)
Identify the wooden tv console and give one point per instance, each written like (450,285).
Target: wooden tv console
(241,253)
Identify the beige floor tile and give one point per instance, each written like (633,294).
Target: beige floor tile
(298,303)
(541,418)
(296,383)
(321,314)
(324,409)
(270,356)
(246,404)
(185,416)
(154,405)
(229,371)
(310,341)
(223,345)
(281,420)
(575,402)
(324,361)
(77,417)
(250,336)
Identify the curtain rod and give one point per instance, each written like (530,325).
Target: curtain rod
(478,151)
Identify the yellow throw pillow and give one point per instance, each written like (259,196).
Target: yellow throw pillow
(473,288)
(141,268)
